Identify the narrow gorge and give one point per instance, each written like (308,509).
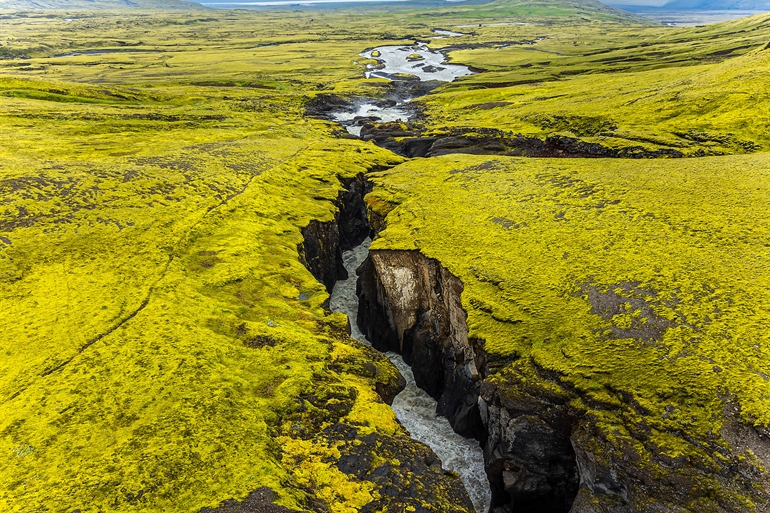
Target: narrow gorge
(421,257)
(528,440)
(408,306)
(508,449)
(525,446)
(334,252)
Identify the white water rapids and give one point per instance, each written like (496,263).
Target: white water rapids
(415,409)
(348,119)
(397,63)
(417,60)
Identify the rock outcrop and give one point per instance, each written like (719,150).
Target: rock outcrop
(352,222)
(410,304)
(542,453)
(528,453)
(321,252)
(324,242)
(410,141)
(407,474)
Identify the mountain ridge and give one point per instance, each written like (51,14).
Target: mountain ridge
(743,5)
(71,5)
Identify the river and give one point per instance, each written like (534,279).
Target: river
(405,64)
(415,409)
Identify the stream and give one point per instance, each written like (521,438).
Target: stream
(414,408)
(403,64)
(396,62)
(407,66)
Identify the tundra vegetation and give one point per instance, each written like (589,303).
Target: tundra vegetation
(165,349)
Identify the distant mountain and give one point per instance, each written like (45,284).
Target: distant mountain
(688,5)
(717,5)
(72,5)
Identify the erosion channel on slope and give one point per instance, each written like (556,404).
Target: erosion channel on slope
(415,409)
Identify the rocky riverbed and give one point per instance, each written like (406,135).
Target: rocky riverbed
(414,70)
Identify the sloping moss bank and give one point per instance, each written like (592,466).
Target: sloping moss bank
(630,91)
(217,371)
(164,349)
(618,319)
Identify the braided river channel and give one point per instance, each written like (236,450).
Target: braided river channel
(402,64)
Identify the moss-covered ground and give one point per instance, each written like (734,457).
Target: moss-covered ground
(163,348)
(686,90)
(642,285)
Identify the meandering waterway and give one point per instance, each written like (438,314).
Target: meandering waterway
(415,409)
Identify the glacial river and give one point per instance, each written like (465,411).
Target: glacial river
(415,409)
(415,61)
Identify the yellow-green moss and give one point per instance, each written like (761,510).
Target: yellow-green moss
(684,90)
(163,347)
(157,323)
(640,283)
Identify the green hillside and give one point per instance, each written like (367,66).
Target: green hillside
(676,91)
(94,5)
(165,348)
(633,291)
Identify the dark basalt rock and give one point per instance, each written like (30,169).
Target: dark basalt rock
(406,473)
(410,142)
(321,252)
(396,92)
(373,319)
(258,501)
(322,105)
(528,453)
(323,244)
(411,305)
(352,222)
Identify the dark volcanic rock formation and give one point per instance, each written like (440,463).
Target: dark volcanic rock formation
(323,105)
(323,244)
(528,455)
(321,252)
(410,304)
(353,225)
(407,474)
(410,142)
(544,447)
